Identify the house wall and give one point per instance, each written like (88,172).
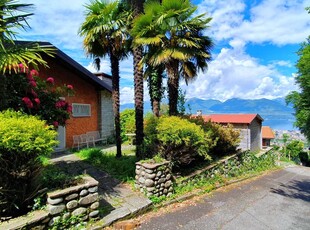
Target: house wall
(256,135)
(85,93)
(107,123)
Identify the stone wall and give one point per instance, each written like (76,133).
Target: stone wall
(80,200)
(106,115)
(154,179)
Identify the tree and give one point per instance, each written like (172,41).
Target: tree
(137,8)
(301,100)
(105,32)
(12,17)
(294,148)
(178,37)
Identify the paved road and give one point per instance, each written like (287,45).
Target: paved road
(279,200)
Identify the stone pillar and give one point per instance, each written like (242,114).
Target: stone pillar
(154,179)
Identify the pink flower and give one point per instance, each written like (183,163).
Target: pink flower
(56,124)
(60,104)
(69,108)
(37,100)
(70,87)
(50,80)
(33,83)
(34,73)
(27,102)
(22,68)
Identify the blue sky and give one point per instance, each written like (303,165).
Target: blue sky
(254,54)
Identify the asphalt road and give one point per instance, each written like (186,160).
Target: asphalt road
(279,200)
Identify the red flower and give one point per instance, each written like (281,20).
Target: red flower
(56,124)
(70,87)
(60,104)
(27,102)
(22,68)
(33,83)
(34,73)
(37,100)
(50,80)
(34,94)
(69,108)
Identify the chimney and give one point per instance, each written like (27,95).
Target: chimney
(199,113)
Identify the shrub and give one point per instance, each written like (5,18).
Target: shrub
(182,141)
(127,118)
(23,139)
(226,137)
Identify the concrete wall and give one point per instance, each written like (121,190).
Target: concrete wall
(256,135)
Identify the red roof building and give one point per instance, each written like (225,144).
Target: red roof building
(249,125)
(268,135)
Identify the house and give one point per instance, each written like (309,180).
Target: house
(91,103)
(267,135)
(249,125)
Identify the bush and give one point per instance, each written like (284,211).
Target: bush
(128,125)
(226,137)
(23,139)
(180,141)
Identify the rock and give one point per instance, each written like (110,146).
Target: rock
(149,183)
(91,198)
(56,209)
(94,206)
(138,172)
(93,189)
(168,184)
(84,192)
(159,173)
(168,176)
(54,201)
(66,215)
(150,189)
(79,211)
(93,214)
(54,220)
(141,180)
(170,189)
(72,196)
(169,194)
(161,180)
(150,176)
(165,191)
(149,171)
(72,204)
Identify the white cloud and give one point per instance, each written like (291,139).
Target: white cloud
(233,73)
(276,21)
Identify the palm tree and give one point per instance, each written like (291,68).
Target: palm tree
(105,33)
(178,35)
(12,17)
(137,7)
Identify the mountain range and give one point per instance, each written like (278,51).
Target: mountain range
(276,113)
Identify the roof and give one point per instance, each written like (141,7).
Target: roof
(74,66)
(267,133)
(232,118)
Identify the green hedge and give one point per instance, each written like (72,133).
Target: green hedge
(23,139)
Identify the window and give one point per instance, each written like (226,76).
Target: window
(81,110)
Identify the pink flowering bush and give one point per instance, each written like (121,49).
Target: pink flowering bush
(25,91)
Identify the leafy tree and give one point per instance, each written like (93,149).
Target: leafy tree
(105,33)
(13,15)
(294,148)
(127,123)
(177,34)
(301,100)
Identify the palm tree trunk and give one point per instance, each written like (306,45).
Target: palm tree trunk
(155,90)
(116,102)
(173,87)
(137,6)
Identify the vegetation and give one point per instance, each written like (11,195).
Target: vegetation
(122,168)
(174,39)
(25,91)
(301,99)
(14,16)
(105,33)
(23,139)
(127,123)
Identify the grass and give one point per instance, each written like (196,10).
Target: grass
(121,168)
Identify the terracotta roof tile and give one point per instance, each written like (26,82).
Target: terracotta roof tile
(267,133)
(232,118)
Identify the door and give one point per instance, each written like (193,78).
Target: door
(61,137)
